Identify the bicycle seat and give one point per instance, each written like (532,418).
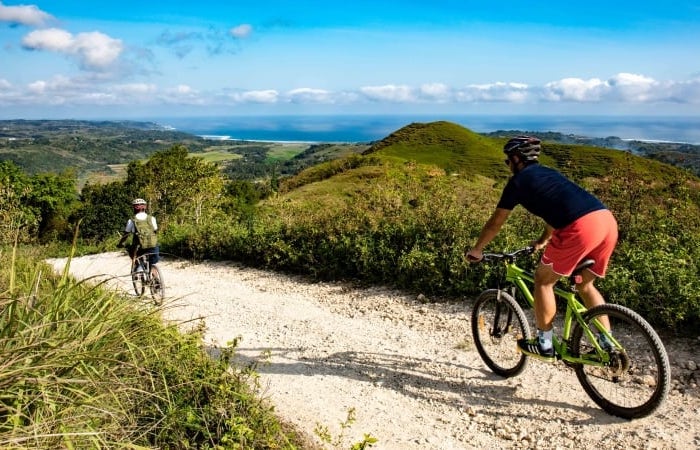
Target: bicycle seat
(583,265)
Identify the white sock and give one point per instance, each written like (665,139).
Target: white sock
(545,338)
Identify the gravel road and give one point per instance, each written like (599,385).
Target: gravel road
(408,367)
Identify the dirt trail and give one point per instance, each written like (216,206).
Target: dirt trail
(408,368)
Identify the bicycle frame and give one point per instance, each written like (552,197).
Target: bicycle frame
(574,311)
(145,264)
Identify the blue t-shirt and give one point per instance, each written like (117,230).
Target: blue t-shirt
(548,194)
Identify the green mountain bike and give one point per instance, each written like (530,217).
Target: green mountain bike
(630,378)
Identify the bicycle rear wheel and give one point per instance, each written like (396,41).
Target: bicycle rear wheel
(138,280)
(497,323)
(156,285)
(637,379)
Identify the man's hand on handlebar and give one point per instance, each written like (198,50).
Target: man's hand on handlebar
(474,255)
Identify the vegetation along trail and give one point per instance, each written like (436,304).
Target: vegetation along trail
(407,367)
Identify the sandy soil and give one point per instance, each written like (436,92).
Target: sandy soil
(408,367)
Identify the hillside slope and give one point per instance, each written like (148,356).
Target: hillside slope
(446,145)
(459,151)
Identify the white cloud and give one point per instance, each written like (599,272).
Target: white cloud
(494,92)
(37,87)
(634,88)
(683,92)
(28,15)
(241,31)
(623,87)
(265,96)
(388,93)
(58,84)
(310,95)
(136,88)
(184,89)
(94,50)
(575,89)
(620,89)
(435,92)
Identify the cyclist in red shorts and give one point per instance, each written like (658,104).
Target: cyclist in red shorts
(577,226)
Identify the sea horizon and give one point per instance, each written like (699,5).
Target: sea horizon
(368,128)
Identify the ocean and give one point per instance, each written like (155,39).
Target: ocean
(368,128)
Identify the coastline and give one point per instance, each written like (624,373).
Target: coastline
(365,129)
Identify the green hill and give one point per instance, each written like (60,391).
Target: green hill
(406,210)
(446,145)
(459,151)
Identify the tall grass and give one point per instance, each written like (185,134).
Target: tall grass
(84,368)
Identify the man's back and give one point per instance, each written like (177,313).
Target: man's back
(548,194)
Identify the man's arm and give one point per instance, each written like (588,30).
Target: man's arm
(544,238)
(488,232)
(125,235)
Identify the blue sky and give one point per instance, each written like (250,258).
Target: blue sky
(129,59)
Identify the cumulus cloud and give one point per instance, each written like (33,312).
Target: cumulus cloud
(575,89)
(28,15)
(438,92)
(388,93)
(264,96)
(635,88)
(622,88)
(135,89)
(241,31)
(310,95)
(93,50)
(494,92)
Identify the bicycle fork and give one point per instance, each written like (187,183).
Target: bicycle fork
(498,331)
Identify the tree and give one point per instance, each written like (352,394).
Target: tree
(54,196)
(17,218)
(177,186)
(105,209)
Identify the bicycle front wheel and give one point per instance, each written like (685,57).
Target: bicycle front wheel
(636,380)
(497,324)
(156,285)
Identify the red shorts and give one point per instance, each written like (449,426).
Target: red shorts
(592,236)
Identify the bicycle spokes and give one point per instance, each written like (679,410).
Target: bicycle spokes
(630,380)
(497,324)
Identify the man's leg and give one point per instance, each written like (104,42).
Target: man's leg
(545,310)
(591,295)
(545,304)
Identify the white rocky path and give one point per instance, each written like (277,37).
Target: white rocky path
(407,367)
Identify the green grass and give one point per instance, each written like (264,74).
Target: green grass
(84,368)
(285,151)
(217,155)
(446,145)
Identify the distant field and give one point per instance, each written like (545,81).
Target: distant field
(285,151)
(217,155)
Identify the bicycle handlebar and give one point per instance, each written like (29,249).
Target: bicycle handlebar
(510,257)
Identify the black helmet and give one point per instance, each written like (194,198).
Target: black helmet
(527,147)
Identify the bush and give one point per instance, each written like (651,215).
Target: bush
(83,368)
